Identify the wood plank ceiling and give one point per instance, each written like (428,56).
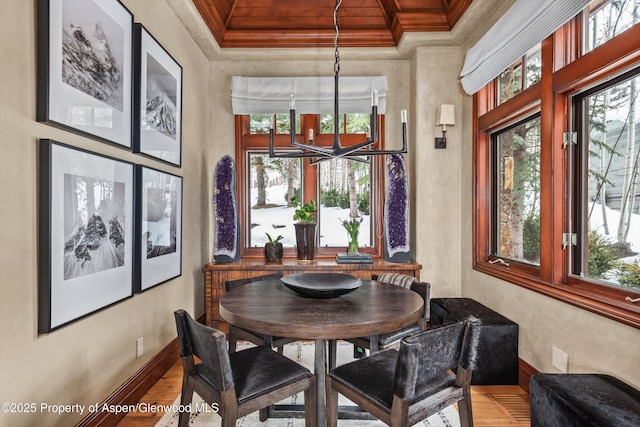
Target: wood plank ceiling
(309,23)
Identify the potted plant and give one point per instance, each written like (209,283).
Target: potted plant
(305,214)
(273,249)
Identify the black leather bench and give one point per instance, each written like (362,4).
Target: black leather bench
(498,346)
(582,400)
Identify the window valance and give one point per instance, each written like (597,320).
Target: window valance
(525,24)
(313,95)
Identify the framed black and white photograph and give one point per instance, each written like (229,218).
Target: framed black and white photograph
(85,233)
(158,227)
(85,63)
(157,100)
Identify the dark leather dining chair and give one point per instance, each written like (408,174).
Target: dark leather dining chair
(257,338)
(238,383)
(391,338)
(429,372)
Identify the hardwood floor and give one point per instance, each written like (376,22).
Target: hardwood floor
(493,406)
(498,406)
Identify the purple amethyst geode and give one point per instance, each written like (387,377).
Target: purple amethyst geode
(396,211)
(225,207)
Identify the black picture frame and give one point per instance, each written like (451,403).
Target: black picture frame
(158,228)
(76,38)
(157,123)
(86,220)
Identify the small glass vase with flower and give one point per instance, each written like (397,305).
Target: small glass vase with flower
(353,228)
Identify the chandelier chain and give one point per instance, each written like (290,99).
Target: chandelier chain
(360,152)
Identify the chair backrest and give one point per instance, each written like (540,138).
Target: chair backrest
(401,280)
(426,359)
(232,284)
(209,345)
(410,282)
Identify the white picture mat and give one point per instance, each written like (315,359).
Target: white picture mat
(64,99)
(160,268)
(153,142)
(79,296)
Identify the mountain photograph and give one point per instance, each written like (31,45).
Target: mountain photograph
(161,111)
(94,224)
(91,57)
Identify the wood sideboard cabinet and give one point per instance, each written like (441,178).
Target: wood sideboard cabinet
(215,276)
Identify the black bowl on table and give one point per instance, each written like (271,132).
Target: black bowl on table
(321,285)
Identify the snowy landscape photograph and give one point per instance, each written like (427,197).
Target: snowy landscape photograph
(92,56)
(160,221)
(86,233)
(161,111)
(85,68)
(93,225)
(159,206)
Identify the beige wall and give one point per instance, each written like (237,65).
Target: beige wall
(87,360)
(435,183)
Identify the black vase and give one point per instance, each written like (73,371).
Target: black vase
(305,240)
(273,252)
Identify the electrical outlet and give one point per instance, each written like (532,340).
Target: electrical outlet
(139,347)
(560,359)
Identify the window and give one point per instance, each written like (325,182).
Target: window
(556,165)
(517,189)
(343,188)
(608,18)
(272,183)
(605,179)
(261,123)
(517,77)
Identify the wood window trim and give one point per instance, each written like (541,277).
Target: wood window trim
(245,142)
(550,96)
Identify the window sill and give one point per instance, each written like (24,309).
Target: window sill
(320,252)
(606,302)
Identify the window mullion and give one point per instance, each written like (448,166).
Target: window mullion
(551,183)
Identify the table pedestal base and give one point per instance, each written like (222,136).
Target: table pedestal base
(346,412)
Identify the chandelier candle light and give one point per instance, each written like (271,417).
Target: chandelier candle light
(353,152)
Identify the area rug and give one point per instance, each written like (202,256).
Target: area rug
(302,352)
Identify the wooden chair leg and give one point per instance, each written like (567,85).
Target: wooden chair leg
(374,347)
(310,399)
(332,404)
(233,342)
(185,399)
(399,412)
(281,349)
(333,353)
(465,412)
(263,414)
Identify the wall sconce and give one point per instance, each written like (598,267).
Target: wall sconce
(445,116)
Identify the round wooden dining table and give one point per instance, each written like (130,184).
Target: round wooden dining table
(271,308)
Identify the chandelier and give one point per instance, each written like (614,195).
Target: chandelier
(358,152)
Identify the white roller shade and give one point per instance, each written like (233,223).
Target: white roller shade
(525,24)
(313,95)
